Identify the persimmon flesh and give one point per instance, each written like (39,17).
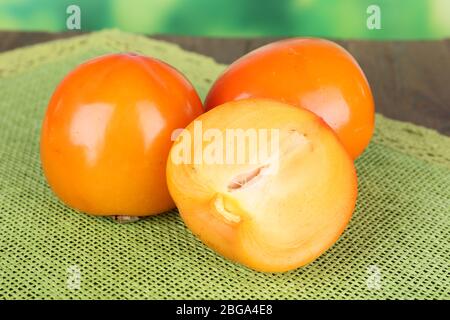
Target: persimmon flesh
(315,74)
(275,214)
(107,133)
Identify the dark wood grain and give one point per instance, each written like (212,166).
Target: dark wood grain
(410,79)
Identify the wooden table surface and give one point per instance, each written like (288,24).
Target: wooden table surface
(410,79)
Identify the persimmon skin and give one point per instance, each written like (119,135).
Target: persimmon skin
(107,132)
(316,74)
(279,222)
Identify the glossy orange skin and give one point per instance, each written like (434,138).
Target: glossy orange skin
(107,133)
(316,74)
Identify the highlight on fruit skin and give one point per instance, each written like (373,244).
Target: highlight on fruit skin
(279,209)
(311,73)
(107,133)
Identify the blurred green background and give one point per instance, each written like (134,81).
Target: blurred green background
(400,19)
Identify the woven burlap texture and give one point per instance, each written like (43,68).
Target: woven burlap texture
(396,246)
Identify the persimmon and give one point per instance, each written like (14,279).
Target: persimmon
(316,74)
(263,183)
(107,133)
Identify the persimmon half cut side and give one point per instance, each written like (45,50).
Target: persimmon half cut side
(312,73)
(107,133)
(274,214)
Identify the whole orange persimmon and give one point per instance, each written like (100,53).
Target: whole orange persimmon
(107,133)
(263,183)
(316,74)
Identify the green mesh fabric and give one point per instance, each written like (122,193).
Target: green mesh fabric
(396,246)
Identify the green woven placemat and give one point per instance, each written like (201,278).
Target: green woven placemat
(396,246)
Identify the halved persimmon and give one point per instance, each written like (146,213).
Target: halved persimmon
(315,74)
(263,183)
(107,133)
